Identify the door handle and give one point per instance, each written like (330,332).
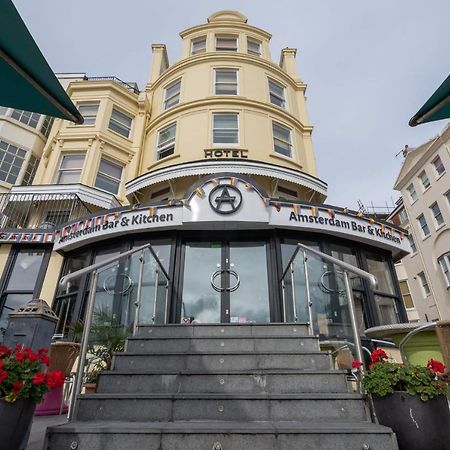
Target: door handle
(220,272)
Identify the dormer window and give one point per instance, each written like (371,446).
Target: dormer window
(226,43)
(198,45)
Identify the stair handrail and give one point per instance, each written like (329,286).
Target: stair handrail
(95,269)
(349,292)
(89,269)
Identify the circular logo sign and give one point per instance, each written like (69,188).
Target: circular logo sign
(225,199)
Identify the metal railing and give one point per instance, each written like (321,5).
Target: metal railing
(160,278)
(40,211)
(401,345)
(286,283)
(130,86)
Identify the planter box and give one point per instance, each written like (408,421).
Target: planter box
(15,420)
(418,425)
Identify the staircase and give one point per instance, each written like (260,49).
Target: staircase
(222,387)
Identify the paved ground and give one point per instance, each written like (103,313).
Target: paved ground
(40,424)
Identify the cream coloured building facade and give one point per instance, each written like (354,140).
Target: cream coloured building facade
(424,209)
(213,164)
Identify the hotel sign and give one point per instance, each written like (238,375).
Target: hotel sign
(230,153)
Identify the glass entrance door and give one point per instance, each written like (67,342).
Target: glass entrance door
(225,282)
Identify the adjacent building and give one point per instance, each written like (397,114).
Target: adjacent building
(424,210)
(213,164)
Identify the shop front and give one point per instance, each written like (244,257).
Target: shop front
(223,255)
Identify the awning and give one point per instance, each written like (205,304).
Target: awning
(437,106)
(26,80)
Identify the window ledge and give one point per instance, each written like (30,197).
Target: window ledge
(160,161)
(427,189)
(441,175)
(285,158)
(442,225)
(426,237)
(129,139)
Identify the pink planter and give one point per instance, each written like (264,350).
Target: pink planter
(51,403)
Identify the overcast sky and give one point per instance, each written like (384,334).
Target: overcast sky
(369,66)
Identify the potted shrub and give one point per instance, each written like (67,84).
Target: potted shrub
(105,338)
(411,400)
(23,382)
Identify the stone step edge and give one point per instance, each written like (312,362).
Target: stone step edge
(225,396)
(216,427)
(263,372)
(225,337)
(223,352)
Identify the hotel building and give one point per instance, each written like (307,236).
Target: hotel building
(213,164)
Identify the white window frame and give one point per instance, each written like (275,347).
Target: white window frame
(423,177)
(403,216)
(17,154)
(26,117)
(125,126)
(177,94)
(447,194)
(226,36)
(224,144)
(412,192)
(291,147)
(424,285)
(283,99)
(438,158)
(444,263)
(89,119)
(437,222)
(199,39)
(255,41)
(412,243)
(107,175)
(46,126)
(406,293)
(59,171)
(166,145)
(423,225)
(225,69)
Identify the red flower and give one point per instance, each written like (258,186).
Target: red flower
(1,364)
(3,376)
(4,351)
(435,366)
(33,357)
(54,379)
(356,364)
(20,356)
(39,378)
(378,355)
(45,359)
(43,351)
(17,386)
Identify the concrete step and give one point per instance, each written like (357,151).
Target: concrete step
(211,435)
(208,361)
(225,382)
(214,330)
(223,343)
(225,407)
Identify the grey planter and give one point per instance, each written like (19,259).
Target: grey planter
(418,425)
(15,421)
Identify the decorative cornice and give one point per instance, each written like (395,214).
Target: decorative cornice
(234,101)
(217,25)
(240,167)
(221,57)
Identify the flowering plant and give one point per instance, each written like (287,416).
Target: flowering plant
(23,374)
(385,376)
